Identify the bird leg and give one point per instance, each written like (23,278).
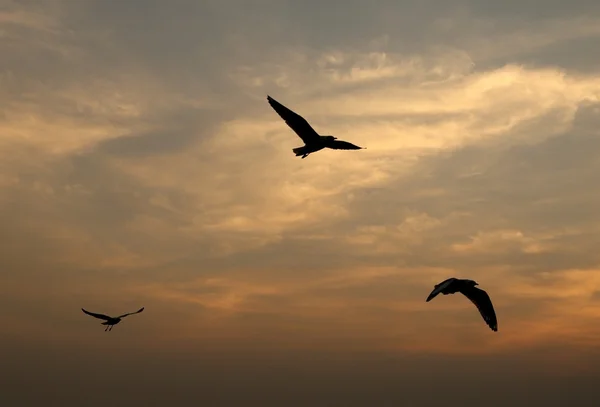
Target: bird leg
(110,329)
(106,329)
(305,155)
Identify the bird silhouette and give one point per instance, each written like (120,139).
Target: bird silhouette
(477,296)
(313,142)
(111,321)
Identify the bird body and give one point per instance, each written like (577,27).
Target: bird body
(110,321)
(313,142)
(477,296)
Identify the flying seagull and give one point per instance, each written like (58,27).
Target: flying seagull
(111,321)
(477,296)
(313,142)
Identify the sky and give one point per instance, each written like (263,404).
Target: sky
(141,165)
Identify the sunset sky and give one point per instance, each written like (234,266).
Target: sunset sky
(141,165)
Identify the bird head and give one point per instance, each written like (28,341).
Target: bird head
(331,137)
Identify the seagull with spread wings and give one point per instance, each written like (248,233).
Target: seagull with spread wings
(477,296)
(313,142)
(111,321)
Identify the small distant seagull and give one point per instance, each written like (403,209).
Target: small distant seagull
(477,296)
(111,321)
(312,140)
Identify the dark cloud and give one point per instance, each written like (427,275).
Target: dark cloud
(573,54)
(530,9)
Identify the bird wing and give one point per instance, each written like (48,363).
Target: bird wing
(482,301)
(131,313)
(296,122)
(99,316)
(439,287)
(343,145)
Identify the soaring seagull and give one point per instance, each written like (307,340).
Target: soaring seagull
(477,296)
(111,321)
(313,142)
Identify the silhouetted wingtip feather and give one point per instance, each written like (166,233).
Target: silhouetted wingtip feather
(438,288)
(431,296)
(343,145)
(296,122)
(131,313)
(93,314)
(483,302)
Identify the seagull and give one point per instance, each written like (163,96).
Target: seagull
(313,142)
(477,296)
(111,321)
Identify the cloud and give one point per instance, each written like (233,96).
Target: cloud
(140,162)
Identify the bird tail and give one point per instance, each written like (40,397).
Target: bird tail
(300,151)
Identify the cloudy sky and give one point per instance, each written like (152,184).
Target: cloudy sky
(140,165)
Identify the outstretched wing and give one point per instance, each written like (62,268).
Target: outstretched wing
(343,145)
(131,313)
(438,288)
(484,304)
(99,316)
(296,122)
